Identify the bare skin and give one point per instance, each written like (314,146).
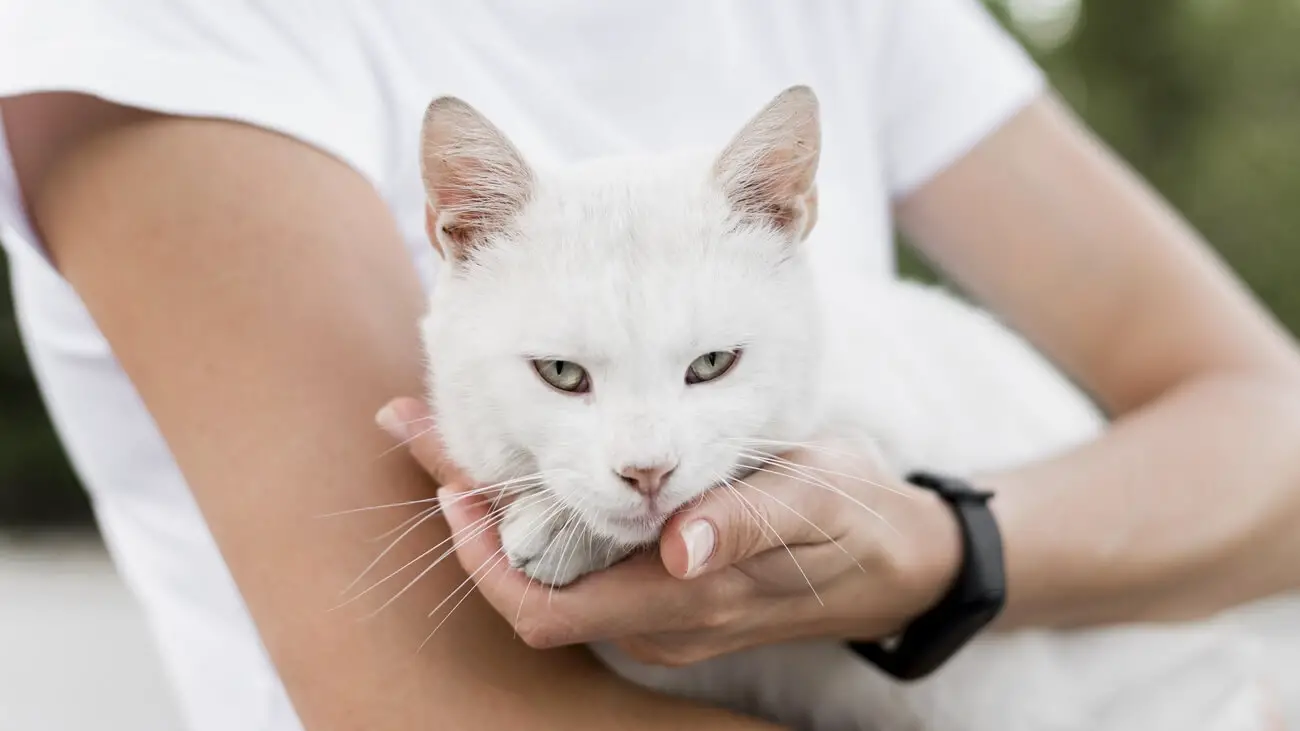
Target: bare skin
(1189,505)
(1186,507)
(258,295)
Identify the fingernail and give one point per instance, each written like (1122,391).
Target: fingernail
(700,539)
(389,421)
(446,498)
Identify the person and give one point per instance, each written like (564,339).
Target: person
(215,225)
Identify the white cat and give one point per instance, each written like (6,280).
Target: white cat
(622,326)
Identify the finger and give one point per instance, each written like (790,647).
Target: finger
(410,421)
(752,516)
(477,546)
(633,597)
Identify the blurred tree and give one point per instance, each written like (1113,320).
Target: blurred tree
(1202,97)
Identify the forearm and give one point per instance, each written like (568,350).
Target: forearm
(1184,508)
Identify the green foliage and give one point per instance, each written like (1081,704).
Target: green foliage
(1200,96)
(1203,98)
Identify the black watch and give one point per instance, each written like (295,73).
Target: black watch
(973,600)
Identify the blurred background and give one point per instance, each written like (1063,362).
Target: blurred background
(1200,96)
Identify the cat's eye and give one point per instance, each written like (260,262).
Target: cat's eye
(563,375)
(711,366)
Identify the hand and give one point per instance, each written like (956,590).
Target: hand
(821,543)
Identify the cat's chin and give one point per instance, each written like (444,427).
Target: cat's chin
(631,532)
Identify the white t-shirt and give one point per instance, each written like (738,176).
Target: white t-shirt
(907,86)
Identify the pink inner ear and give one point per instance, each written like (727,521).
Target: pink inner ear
(773,188)
(431,229)
(768,169)
(474,206)
(455,184)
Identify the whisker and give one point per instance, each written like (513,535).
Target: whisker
(747,506)
(515,484)
(528,587)
(772,532)
(427,513)
(476,529)
(353,511)
(810,446)
(775,458)
(406,441)
(570,544)
(500,555)
(519,611)
(823,485)
(478,526)
(433,509)
(610,545)
(801,516)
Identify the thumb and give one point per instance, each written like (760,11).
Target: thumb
(728,526)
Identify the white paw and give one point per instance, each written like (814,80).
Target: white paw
(551,546)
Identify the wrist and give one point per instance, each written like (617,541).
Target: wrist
(1015,509)
(974,598)
(932,558)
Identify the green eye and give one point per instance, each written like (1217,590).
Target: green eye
(563,375)
(711,366)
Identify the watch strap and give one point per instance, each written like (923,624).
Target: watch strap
(975,598)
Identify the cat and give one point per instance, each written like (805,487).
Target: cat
(625,327)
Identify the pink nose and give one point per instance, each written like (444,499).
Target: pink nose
(646,480)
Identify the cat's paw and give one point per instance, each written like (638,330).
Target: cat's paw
(551,545)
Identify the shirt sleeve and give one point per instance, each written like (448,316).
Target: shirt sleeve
(276,65)
(952,75)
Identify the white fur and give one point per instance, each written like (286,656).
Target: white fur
(633,268)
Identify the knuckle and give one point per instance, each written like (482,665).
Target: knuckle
(758,539)
(746,540)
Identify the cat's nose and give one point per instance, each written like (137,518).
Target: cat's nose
(646,480)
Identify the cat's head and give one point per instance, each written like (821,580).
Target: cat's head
(624,327)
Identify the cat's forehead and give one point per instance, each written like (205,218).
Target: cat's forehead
(644,211)
(632,256)
(628,304)
(634,218)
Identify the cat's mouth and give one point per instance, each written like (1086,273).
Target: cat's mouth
(650,519)
(645,521)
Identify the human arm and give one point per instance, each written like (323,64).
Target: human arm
(256,292)
(1188,504)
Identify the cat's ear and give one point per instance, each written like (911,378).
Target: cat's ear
(475,180)
(769,169)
